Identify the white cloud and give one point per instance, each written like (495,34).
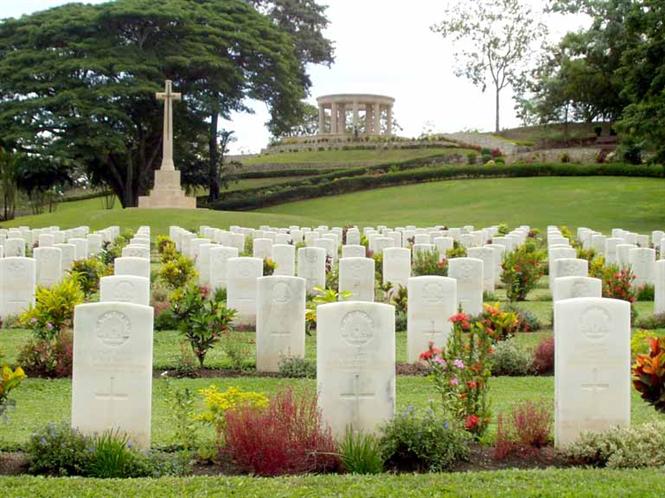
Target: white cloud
(384,47)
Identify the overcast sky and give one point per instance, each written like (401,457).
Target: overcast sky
(384,47)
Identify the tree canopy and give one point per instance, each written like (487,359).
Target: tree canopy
(77,82)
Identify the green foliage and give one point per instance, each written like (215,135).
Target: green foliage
(165,244)
(655,321)
(201,320)
(527,321)
(9,380)
(183,405)
(48,357)
(621,447)
(509,359)
(113,457)
(457,251)
(177,272)
(645,292)
(345,181)
(59,450)
(293,367)
(649,374)
(428,263)
(361,453)
(427,442)
(522,268)
(53,311)
(121,150)
(88,272)
(269,267)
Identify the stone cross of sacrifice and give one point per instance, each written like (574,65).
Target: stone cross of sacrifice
(168,96)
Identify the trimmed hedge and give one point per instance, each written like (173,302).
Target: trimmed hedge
(352,180)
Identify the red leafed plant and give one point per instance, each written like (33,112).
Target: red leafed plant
(649,374)
(543,357)
(523,431)
(287,437)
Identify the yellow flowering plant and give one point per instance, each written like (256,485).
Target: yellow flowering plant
(219,403)
(9,380)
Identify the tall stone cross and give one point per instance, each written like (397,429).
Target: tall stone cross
(168,96)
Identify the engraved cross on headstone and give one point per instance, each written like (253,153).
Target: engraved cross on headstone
(595,387)
(168,96)
(357,395)
(111,397)
(433,332)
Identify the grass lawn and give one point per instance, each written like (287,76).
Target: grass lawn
(600,203)
(513,483)
(349,157)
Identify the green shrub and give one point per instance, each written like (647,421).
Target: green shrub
(177,272)
(48,357)
(428,263)
(53,311)
(509,359)
(361,453)
(113,457)
(202,321)
(413,442)
(457,251)
(471,158)
(527,321)
(88,272)
(58,450)
(522,268)
(293,367)
(621,447)
(646,292)
(655,321)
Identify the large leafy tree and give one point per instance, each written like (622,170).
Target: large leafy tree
(493,39)
(77,82)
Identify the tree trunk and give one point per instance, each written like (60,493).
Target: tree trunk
(213,176)
(497,128)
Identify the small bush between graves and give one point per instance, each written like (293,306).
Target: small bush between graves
(522,268)
(59,450)
(429,263)
(177,272)
(286,437)
(88,272)
(497,323)
(9,380)
(621,447)
(423,442)
(509,359)
(50,358)
(543,357)
(361,453)
(460,373)
(655,321)
(527,321)
(645,292)
(523,431)
(649,374)
(297,368)
(202,321)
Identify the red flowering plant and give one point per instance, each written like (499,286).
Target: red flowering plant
(649,374)
(618,283)
(460,373)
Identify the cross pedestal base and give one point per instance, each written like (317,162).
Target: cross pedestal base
(167,192)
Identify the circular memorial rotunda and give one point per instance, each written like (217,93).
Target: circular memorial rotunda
(355,114)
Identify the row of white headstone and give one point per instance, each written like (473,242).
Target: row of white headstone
(355,355)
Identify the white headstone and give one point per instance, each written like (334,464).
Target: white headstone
(355,365)
(203,263)
(112,373)
(356,275)
(81,247)
(280,321)
(284,256)
(642,261)
(396,266)
(570,267)
(48,262)
(353,251)
(432,301)
(125,289)
(17,285)
(486,255)
(659,284)
(139,267)
(312,266)
(469,275)
(135,251)
(95,241)
(241,277)
(572,287)
(329,245)
(219,256)
(592,366)
(262,248)
(68,253)
(14,247)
